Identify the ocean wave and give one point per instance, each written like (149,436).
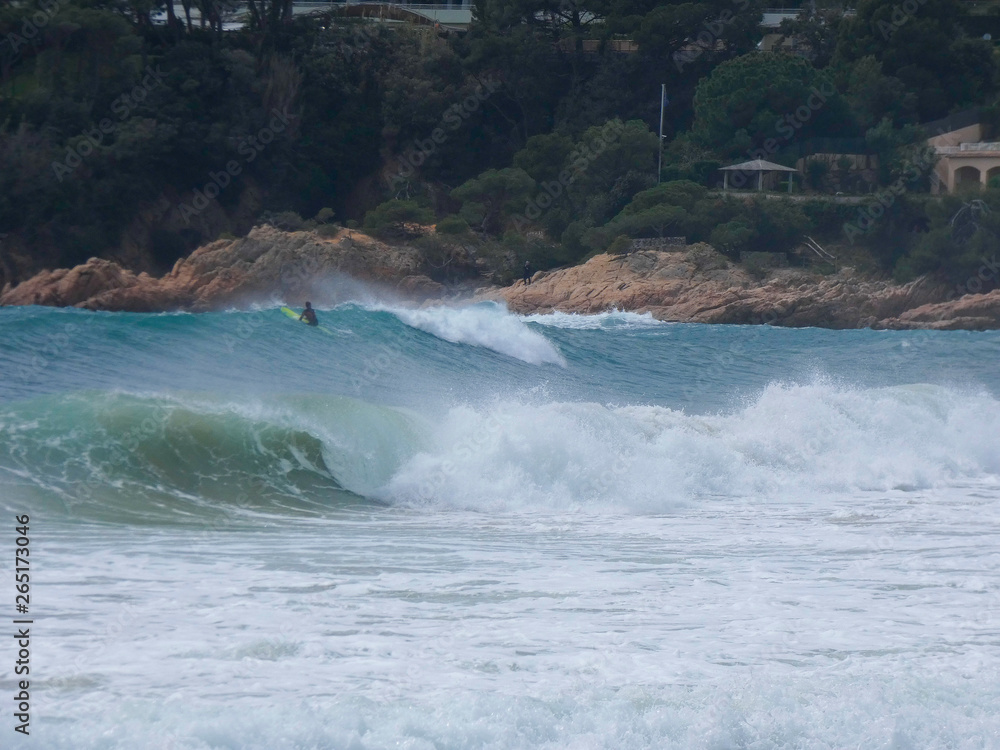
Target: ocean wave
(180,454)
(124,456)
(791,440)
(485,325)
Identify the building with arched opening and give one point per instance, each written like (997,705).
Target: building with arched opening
(965,160)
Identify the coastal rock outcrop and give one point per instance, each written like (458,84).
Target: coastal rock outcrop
(701,285)
(267,263)
(973,312)
(696,284)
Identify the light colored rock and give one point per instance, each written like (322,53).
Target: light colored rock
(671,287)
(266,264)
(698,285)
(976,312)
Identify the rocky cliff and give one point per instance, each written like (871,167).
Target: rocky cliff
(267,264)
(700,285)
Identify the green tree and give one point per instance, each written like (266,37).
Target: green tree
(962,235)
(774,98)
(661,211)
(926,49)
(814,30)
(903,154)
(732,237)
(545,156)
(683,193)
(873,96)
(492,196)
(778,225)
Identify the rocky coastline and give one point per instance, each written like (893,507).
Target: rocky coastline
(699,285)
(265,265)
(693,284)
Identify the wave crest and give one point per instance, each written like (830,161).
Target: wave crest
(487,325)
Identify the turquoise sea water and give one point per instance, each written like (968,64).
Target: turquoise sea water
(457,527)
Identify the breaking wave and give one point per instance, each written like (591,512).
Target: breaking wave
(127,456)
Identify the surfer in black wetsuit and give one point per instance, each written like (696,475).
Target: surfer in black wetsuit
(527,273)
(309,315)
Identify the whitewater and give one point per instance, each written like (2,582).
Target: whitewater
(457,527)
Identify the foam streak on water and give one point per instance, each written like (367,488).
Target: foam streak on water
(450,528)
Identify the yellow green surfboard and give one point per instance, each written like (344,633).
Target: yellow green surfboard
(295,316)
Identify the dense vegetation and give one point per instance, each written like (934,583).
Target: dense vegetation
(533,134)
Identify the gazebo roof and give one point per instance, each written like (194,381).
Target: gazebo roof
(758,165)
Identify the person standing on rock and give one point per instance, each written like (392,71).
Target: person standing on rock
(309,315)
(527,273)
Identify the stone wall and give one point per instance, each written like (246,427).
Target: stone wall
(659,243)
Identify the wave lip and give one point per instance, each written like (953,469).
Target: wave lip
(487,325)
(124,456)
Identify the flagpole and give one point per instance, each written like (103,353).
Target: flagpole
(663,100)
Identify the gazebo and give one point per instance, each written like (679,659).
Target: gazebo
(760,167)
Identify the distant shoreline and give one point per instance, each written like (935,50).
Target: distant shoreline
(689,284)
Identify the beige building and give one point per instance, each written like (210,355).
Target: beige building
(965,160)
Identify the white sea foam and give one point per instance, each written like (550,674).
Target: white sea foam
(487,325)
(728,627)
(815,713)
(792,439)
(611,319)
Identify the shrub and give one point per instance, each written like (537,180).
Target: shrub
(759,265)
(324,216)
(683,193)
(705,258)
(732,237)
(827,217)
(778,225)
(287,220)
(445,258)
(452,225)
(388,218)
(621,245)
